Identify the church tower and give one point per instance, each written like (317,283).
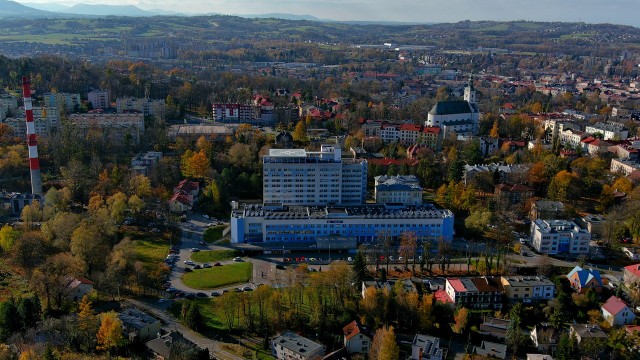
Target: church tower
(470,92)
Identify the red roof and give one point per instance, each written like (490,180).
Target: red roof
(182,198)
(431,130)
(457,285)
(352,329)
(187,185)
(508,106)
(442,296)
(410,127)
(514,188)
(632,328)
(614,305)
(634,269)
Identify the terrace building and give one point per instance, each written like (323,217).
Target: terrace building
(475,293)
(398,189)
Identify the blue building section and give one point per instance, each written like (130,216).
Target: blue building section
(366,223)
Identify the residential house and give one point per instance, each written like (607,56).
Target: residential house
(190,187)
(290,345)
(586,332)
(547,209)
(631,275)
(616,312)
(528,288)
(491,350)
(494,327)
(513,194)
(99,99)
(181,202)
(624,166)
(426,347)
(624,151)
(356,338)
(572,138)
(167,346)
(609,130)
(138,325)
(477,293)
(583,279)
(595,146)
(78,288)
(13,203)
(544,337)
(501,173)
(143,163)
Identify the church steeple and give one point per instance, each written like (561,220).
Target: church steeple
(470,92)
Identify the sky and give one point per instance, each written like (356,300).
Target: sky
(591,11)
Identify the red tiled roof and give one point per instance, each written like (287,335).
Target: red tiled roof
(410,127)
(388,162)
(84,281)
(632,328)
(614,305)
(187,185)
(457,285)
(182,198)
(431,130)
(634,269)
(442,297)
(352,329)
(508,106)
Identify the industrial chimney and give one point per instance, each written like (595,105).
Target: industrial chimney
(34,163)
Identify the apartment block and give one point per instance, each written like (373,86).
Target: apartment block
(559,237)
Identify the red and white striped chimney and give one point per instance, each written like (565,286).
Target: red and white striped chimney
(34,163)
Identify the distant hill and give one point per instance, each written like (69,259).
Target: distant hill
(11,9)
(48,7)
(108,10)
(283,16)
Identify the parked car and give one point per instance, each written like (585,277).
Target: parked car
(215,293)
(187,270)
(247,288)
(196,266)
(206,265)
(202,295)
(237,290)
(190,297)
(205,216)
(217,264)
(189,262)
(237,258)
(280,267)
(195,249)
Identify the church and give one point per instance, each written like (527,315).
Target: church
(458,116)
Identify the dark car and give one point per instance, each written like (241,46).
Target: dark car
(215,293)
(187,270)
(217,264)
(281,267)
(195,267)
(190,297)
(201,295)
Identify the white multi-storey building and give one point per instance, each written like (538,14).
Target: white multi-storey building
(45,121)
(290,346)
(99,99)
(624,166)
(609,130)
(148,107)
(300,177)
(8,103)
(559,236)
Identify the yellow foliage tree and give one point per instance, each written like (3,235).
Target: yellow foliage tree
(384,345)
(109,334)
(495,130)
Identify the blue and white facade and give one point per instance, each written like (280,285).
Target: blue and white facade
(296,225)
(300,177)
(559,237)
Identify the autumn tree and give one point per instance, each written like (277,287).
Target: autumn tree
(495,131)
(461,319)
(109,336)
(8,237)
(140,186)
(87,324)
(117,204)
(59,229)
(89,245)
(196,165)
(300,132)
(51,280)
(564,186)
(384,345)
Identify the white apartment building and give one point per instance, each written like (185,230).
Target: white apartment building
(610,130)
(572,137)
(398,189)
(528,288)
(624,166)
(300,177)
(118,128)
(8,102)
(45,121)
(148,107)
(559,237)
(389,133)
(99,99)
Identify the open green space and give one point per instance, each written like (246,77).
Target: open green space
(213,233)
(214,255)
(219,276)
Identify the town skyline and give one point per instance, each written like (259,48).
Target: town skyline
(590,11)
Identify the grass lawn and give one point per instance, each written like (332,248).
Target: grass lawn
(151,251)
(213,233)
(213,255)
(219,276)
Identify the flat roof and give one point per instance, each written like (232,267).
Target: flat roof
(425,211)
(296,343)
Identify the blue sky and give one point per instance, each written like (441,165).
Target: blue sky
(593,11)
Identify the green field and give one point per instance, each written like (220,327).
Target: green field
(213,255)
(219,276)
(213,233)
